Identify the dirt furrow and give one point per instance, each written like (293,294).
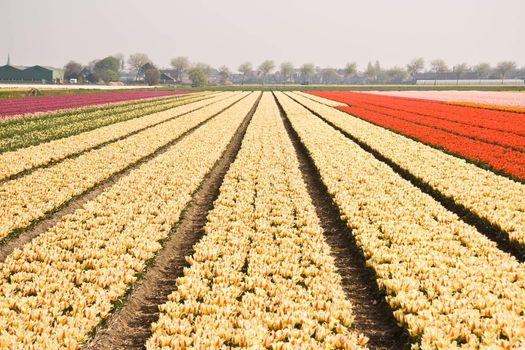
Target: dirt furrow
(130,327)
(491,231)
(19,237)
(373,316)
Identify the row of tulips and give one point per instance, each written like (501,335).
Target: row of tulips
(508,160)
(14,162)
(30,197)
(494,98)
(488,137)
(38,130)
(447,283)
(476,132)
(323,100)
(489,119)
(56,289)
(16,106)
(54,119)
(514,109)
(262,276)
(494,198)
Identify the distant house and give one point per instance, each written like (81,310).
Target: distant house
(166,78)
(44,74)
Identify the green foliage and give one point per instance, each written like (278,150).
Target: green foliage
(198,76)
(107,69)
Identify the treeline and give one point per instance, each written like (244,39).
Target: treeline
(140,68)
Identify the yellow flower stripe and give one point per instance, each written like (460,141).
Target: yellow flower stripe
(58,288)
(26,158)
(322,100)
(514,109)
(262,276)
(444,280)
(499,200)
(30,197)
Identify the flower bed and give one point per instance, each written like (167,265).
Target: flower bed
(56,289)
(30,197)
(25,105)
(447,283)
(262,276)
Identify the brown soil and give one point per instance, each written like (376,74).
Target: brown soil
(130,327)
(373,316)
(24,235)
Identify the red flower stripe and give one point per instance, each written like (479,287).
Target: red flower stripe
(25,105)
(497,137)
(499,158)
(488,119)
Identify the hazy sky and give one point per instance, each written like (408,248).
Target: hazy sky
(327,32)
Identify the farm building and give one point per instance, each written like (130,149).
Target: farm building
(11,73)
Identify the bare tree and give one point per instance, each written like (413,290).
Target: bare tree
(370,72)
(286,70)
(245,68)
(72,70)
(438,66)
(265,68)
(503,68)
(415,66)
(307,70)
(459,69)
(136,61)
(395,75)
(483,70)
(224,74)
(122,59)
(152,76)
(379,71)
(350,69)
(180,65)
(329,76)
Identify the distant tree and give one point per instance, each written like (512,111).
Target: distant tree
(265,68)
(72,70)
(245,68)
(224,74)
(396,75)
(415,66)
(503,68)
(379,71)
(136,61)
(371,71)
(329,76)
(483,70)
(180,66)
(199,74)
(107,69)
(122,59)
(438,66)
(350,69)
(307,71)
(459,70)
(151,76)
(286,70)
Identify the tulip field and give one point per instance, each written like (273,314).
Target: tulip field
(263,220)
(21,106)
